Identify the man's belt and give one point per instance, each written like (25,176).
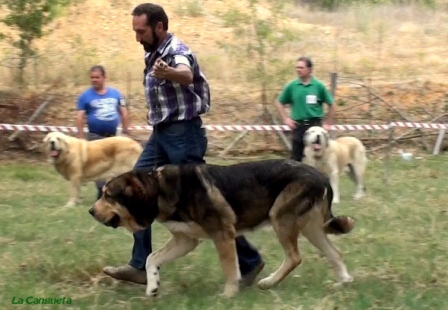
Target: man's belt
(309,121)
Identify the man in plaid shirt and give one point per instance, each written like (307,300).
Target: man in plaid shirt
(177,94)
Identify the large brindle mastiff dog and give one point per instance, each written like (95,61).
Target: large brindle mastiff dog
(221,202)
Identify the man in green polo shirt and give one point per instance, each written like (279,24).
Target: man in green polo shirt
(306,95)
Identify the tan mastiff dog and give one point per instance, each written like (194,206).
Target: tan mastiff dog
(80,161)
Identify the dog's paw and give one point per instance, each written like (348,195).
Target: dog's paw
(344,279)
(152,281)
(265,283)
(70,204)
(335,201)
(358,196)
(230,290)
(347,279)
(343,282)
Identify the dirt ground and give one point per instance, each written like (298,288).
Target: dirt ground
(400,88)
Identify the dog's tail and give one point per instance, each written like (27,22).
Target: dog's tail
(335,225)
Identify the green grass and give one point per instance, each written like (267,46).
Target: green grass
(396,253)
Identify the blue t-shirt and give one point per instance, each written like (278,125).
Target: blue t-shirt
(102,111)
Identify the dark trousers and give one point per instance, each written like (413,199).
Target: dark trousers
(99,183)
(297,137)
(180,143)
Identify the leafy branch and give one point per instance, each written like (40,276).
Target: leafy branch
(28,17)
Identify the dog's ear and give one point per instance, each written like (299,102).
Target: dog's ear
(47,137)
(134,185)
(116,186)
(168,178)
(305,137)
(327,137)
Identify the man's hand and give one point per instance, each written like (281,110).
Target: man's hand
(326,126)
(290,122)
(126,133)
(160,69)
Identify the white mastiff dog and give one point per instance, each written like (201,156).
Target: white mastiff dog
(333,157)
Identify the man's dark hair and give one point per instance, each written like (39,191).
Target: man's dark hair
(306,60)
(154,14)
(98,68)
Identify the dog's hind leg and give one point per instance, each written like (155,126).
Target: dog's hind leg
(356,173)
(352,174)
(287,235)
(283,215)
(178,246)
(315,233)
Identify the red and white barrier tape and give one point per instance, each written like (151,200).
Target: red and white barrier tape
(46,128)
(420,125)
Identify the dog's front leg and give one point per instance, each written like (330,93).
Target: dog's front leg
(75,188)
(227,256)
(334,182)
(178,246)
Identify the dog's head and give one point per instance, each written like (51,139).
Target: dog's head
(55,144)
(136,198)
(316,138)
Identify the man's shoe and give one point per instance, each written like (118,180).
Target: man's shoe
(249,278)
(126,273)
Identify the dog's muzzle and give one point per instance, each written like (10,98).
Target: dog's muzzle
(113,222)
(54,152)
(316,145)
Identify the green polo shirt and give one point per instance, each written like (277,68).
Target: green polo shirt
(306,100)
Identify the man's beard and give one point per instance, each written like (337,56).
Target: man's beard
(149,48)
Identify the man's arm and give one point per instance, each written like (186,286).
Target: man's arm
(329,120)
(286,119)
(285,98)
(124,120)
(329,101)
(80,123)
(281,110)
(181,72)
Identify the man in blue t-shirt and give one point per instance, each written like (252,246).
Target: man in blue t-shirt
(104,108)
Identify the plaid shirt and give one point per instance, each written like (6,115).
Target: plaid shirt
(168,101)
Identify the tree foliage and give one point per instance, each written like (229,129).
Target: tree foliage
(259,38)
(28,18)
(332,5)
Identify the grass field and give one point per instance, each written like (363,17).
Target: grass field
(396,253)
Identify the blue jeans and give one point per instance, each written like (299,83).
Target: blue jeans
(181,143)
